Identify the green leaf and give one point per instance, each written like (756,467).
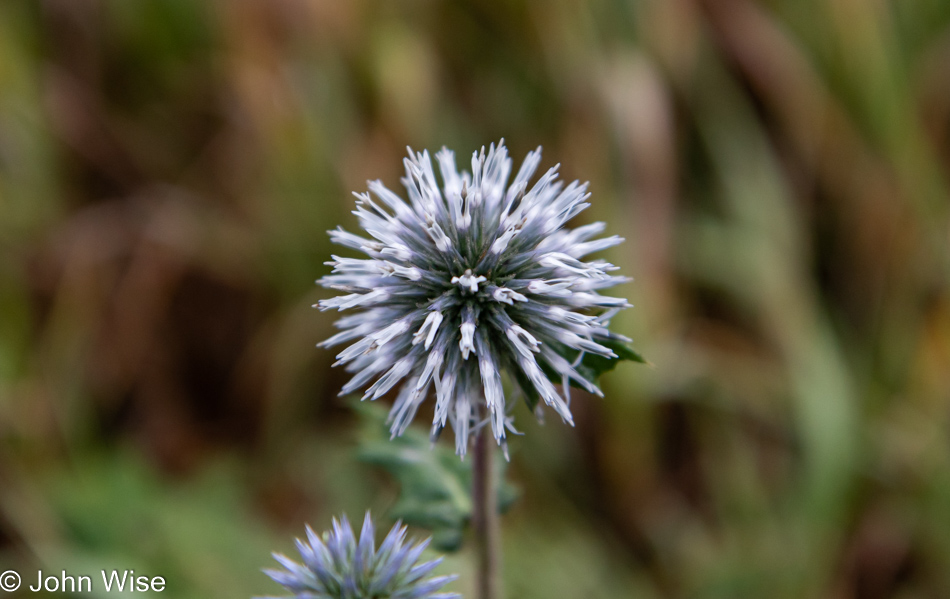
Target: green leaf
(435,486)
(591,366)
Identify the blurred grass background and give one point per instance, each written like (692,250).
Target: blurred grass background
(779,168)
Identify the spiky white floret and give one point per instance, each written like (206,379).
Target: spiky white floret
(474,267)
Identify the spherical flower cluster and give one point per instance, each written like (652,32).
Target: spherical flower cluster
(340,567)
(470,279)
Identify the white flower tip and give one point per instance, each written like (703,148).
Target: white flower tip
(432,322)
(468,281)
(467,342)
(501,244)
(507,296)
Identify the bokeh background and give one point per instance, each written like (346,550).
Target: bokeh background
(168,169)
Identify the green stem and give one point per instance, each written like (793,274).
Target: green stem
(485,516)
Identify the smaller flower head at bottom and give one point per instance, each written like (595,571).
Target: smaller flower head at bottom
(338,566)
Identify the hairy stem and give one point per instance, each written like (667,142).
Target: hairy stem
(485,516)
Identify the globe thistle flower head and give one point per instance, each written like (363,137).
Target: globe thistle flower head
(475,276)
(338,566)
